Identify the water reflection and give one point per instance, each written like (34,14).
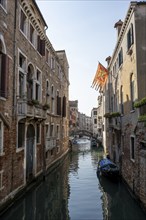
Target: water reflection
(49,200)
(117,202)
(73,192)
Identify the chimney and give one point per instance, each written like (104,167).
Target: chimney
(118,26)
(108,59)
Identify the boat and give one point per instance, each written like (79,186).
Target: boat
(107,168)
(93,143)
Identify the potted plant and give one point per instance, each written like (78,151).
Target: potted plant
(46,106)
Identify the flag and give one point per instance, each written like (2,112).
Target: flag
(100,77)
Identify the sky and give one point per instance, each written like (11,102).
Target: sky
(85,30)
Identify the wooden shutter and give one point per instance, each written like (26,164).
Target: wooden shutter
(64,107)
(42,47)
(4,76)
(58,105)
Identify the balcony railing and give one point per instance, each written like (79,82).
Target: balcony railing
(24,109)
(115,123)
(51,143)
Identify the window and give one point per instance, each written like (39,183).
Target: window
(132,148)
(1,137)
(52,99)
(40,46)
(121,97)
(95,121)
(3,3)
(23,22)
(130,37)
(32,34)
(94,112)
(30,73)
(57,131)
(21,134)
(22,68)
(132,91)
(38,133)
(120,57)
(52,63)
(47,131)
(1,180)
(51,130)
(58,104)
(3,74)
(47,88)
(64,107)
(48,57)
(38,86)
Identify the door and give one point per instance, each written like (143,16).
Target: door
(30,152)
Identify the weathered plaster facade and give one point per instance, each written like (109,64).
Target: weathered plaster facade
(125,135)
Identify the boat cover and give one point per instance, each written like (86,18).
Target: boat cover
(105,162)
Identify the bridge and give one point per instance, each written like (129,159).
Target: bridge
(81,133)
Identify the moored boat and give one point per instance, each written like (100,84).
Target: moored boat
(107,168)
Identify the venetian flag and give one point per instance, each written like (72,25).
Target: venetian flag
(100,77)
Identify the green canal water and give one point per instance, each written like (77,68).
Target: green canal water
(73,192)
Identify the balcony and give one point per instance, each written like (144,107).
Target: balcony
(51,143)
(25,109)
(115,123)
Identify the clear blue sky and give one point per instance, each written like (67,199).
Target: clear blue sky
(85,30)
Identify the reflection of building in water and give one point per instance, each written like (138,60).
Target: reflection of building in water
(48,200)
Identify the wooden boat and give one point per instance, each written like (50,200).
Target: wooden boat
(107,168)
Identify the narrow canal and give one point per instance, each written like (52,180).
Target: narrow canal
(73,192)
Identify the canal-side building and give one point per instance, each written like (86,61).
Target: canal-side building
(73,117)
(125,95)
(100,127)
(34,120)
(94,121)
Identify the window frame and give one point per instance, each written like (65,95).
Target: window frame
(23,24)
(23,141)
(132,148)
(132,91)
(21,71)
(38,133)
(3,4)
(1,138)
(1,180)
(130,37)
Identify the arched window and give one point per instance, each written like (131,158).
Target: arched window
(38,92)
(30,75)
(3,69)
(22,72)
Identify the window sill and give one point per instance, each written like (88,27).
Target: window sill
(2,154)
(132,111)
(132,160)
(19,149)
(2,98)
(1,188)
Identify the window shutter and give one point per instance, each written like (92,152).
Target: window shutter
(64,107)
(132,36)
(4,76)
(58,105)
(42,47)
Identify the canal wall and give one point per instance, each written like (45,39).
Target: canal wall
(20,192)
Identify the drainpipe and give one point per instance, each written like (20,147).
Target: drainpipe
(14,90)
(14,63)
